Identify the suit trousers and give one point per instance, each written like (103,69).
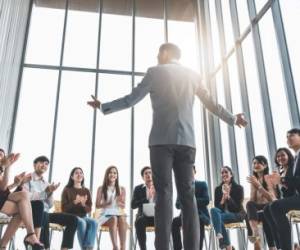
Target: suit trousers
(141,223)
(176,225)
(278,210)
(181,159)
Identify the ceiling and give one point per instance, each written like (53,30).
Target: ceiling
(181,10)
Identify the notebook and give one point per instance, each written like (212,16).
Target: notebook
(148,209)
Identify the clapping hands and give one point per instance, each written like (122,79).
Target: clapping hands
(51,188)
(22,178)
(7,161)
(253,181)
(81,200)
(152,192)
(226,191)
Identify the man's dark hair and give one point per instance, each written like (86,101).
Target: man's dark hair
(172,49)
(144,169)
(294,131)
(41,158)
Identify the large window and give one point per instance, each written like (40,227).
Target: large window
(275,79)
(60,71)
(291,14)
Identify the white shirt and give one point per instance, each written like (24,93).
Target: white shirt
(296,160)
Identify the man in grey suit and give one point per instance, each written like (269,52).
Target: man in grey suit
(172,88)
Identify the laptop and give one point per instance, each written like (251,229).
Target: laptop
(148,209)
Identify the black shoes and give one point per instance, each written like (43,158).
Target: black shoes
(35,246)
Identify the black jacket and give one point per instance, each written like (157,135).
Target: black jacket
(202,198)
(293,181)
(235,203)
(139,198)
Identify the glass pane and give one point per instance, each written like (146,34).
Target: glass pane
(116,38)
(229,36)
(81,36)
(184,35)
(223,125)
(45,35)
(146,49)
(142,126)
(215,33)
(255,100)
(35,117)
(182,31)
(198,126)
(74,128)
(259,4)
(113,138)
(240,136)
(242,9)
(291,15)
(275,79)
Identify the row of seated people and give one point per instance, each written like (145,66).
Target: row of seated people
(272,196)
(29,199)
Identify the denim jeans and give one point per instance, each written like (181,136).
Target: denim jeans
(86,231)
(219,218)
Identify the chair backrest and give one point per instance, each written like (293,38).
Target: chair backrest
(96,213)
(245,201)
(57,206)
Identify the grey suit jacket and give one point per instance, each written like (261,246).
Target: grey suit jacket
(172,88)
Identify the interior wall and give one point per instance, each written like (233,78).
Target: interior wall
(13,19)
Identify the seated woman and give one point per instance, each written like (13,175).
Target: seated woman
(228,208)
(262,193)
(16,204)
(284,161)
(76,200)
(111,198)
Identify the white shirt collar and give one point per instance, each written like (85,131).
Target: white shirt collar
(35,177)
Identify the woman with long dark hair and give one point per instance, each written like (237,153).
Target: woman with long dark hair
(76,200)
(262,193)
(284,161)
(111,198)
(228,208)
(16,204)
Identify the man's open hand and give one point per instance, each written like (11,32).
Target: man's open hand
(240,120)
(95,103)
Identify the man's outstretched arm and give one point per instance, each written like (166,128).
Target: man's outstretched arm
(219,110)
(137,94)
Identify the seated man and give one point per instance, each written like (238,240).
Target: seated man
(280,208)
(40,189)
(142,194)
(202,198)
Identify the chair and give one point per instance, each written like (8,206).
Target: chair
(102,228)
(149,229)
(241,227)
(52,226)
(208,228)
(4,220)
(294,218)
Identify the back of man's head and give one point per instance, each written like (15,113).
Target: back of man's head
(172,49)
(41,158)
